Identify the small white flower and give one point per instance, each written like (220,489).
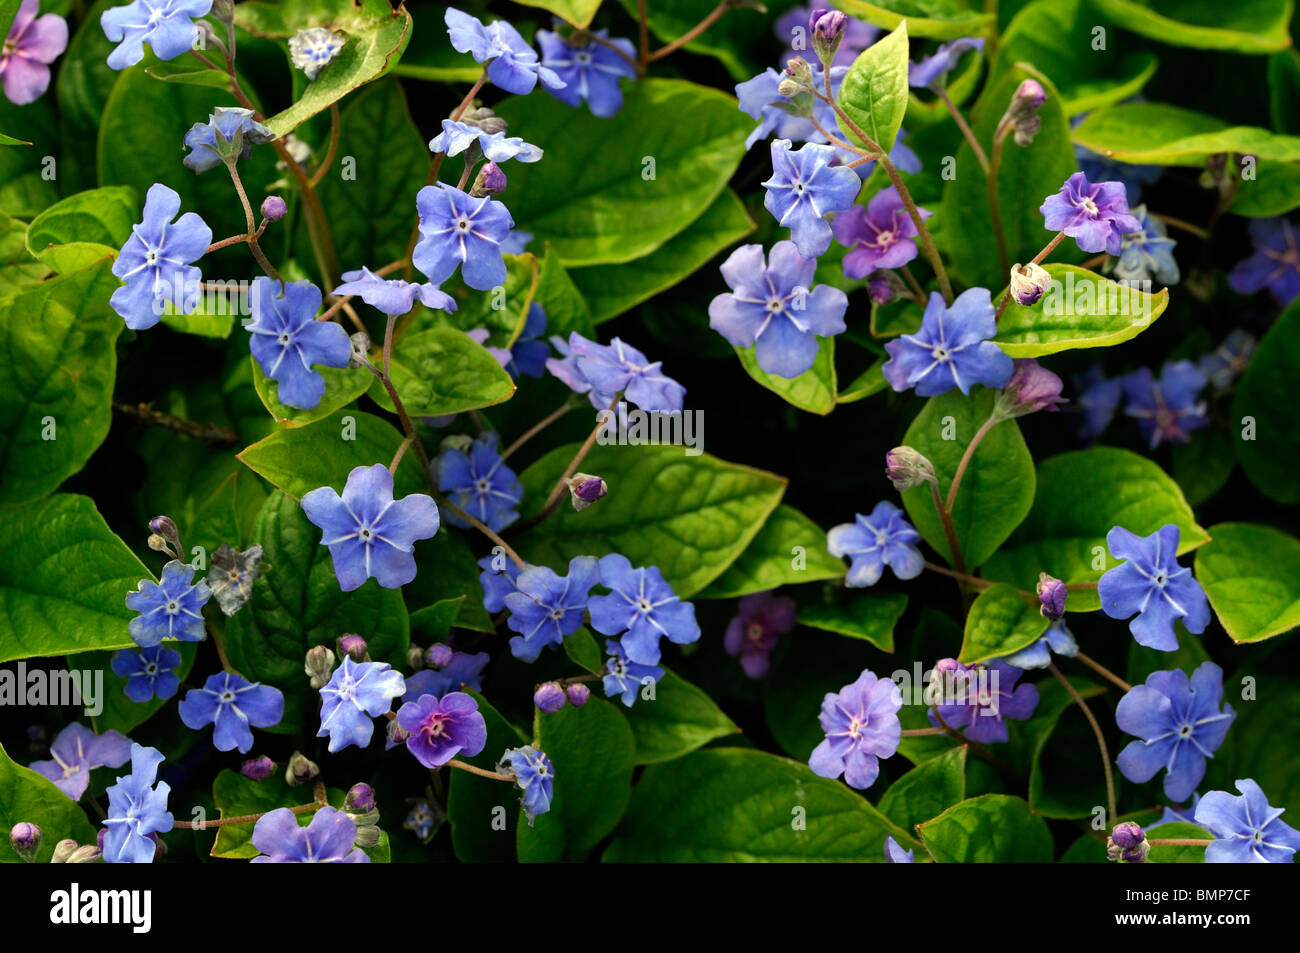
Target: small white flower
(310,50)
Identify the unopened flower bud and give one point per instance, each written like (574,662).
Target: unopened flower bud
(1051,596)
(1128,842)
(158,544)
(258,769)
(301,770)
(360,799)
(788,88)
(415,657)
(25,839)
(1031,388)
(319,665)
(360,356)
(881,289)
(1028,282)
(798,70)
(70,852)
(438,656)
(63,850)
(577,693)
(354,647)
(489,181)
(273,208)
(367,835)
(826,27)
(1026,129)
(166,528)
(907,468)
(483,118)
(395,734)
(585,489)
(549,698)
(1027,99)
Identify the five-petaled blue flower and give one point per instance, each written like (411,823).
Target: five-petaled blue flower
(166,25)
(497,579)
(155,263)
(1168,409)
(590,71)
(76,751)
(136,809)
(1247,829)
(512,63)
(1275,264)
(480,483)
(535,776)
(861,726)
(642,607)
(231,704)
(148,673)
(602,370)
(774,309)
(229,134)
(330,838)
(457,229)
(932,71)
(873,542)
(171,609)
(1095,216)
(1153,585)
(456,137)
(287,340)
(804,188)
(1147,253)
(367,531)
(545,606)
(623,677)
(357,693)
(952,349)
(1180,724)
(392,295)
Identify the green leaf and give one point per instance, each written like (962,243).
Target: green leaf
(100,216)
(33,798)
(814,390)
(689,515)
(64,577)
(1284,91)
(1161,134)
(1268,722)
(870,616)
(1275,190)
(1248,26)
(26,184)
(623,206)
(927,790)
(431,624)
(997,487)
(737,42)
(1077,786)
(679,719)
(236,796)
(936,19)
(593,751)
(483,811)
(11,141)
(1251,574)
(343,385)
(873,92)
(871,381)
(1203,467)
(737,805)
(991,828)
(999,623)
(444,371)
(17,266)
(296,604)
(446,570)
(1178,854)
(56,381)
(210,78)
(900,316)
(789,549)
(576,12)
(582,650)
(1080,496)
(1269,441)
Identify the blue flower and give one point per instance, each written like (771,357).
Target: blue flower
(76,751)
(642,607)
(772,309)
(760,99)
(1147,253)
(589,72)
(1180,724)
(166,25)
(155,262)
(367,531)
(456,137)
(623,677)
(311,50)
(512,63)
(392,295)
(894,853)
(535,776)
(527,355)
(1152,584)
(606,369)
(357,693)
(136,809)
(1169,409)
(1057,639)
(861,726)
(231,704)
(1246,828)
(1096,216)
(873,542)
(1225,364)
(1098,400)
(148,673)
(229,134)
(171,609)
(464,669)
(330,838)
(804,188)
(287,340)
(981,698)
(545,606)
(932,71)
(456,229)
(479,483)
(1275,265)
(497,579)
(952,349)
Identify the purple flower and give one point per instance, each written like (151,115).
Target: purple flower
(1031,388)
(457,229)
(1057,639)
(861,726)
(480,483)
(76,751)
(367,531)
(535,777)
(880,234)
(1167,410)
(330,838)
(1098,400)
(545,607)
(231,704)
(464,669)
(148,673)
(392,295)
(606,369)
(166,25)
(952,349)
(456,137)
(857,35)
(287,340)
(1225,364)
(932,71)
(437,730)
(1247,829)
(497,579)
(804,188)
(171,609)
(229,134)
(1052,594)
(136,809)
(773,310)
(355,695)
(1275,264)
(1180,724)
(642,607)
(32,45)
(589,72)
(512,63)
(761,619)
(623,677)
(1128,842)
(980,698)
(155,262)
(1153,585)
(894,853)
(873,542)
(1095,216)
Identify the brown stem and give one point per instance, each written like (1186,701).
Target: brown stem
(538,427)
(995,210)
(481,772)
(1104,672)
(485,530)
(209,433)
(985,427)
(1178,842)
(1096,730)
(241,819)
(643,37)
(333,146)
(557,492)
(949,531)
(693,32)
(921,732)
(401,452)
(917,291)
(965,129)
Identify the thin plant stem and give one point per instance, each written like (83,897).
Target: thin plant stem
(241,819)
(328,160)
(693,32)
(1103,671)
(538,427)
(965,129)
(995,210)
(985,427)
(949,531)
(557,492)
(481,772)
(1096,730)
